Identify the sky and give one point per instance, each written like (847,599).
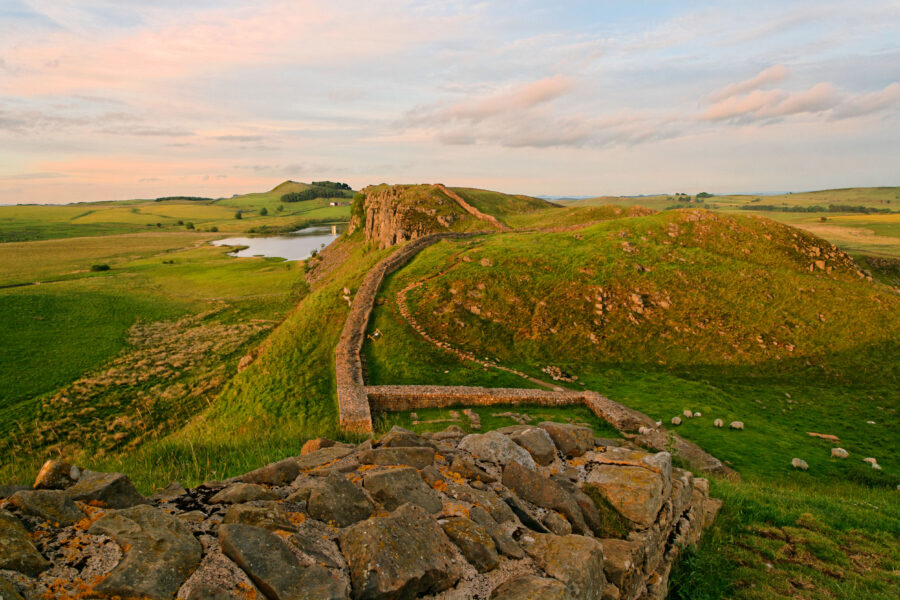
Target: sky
(121,99)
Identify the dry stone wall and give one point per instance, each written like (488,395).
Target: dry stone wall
(439,515)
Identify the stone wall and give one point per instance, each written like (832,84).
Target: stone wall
(353,404)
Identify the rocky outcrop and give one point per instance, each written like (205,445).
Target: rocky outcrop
(470,517)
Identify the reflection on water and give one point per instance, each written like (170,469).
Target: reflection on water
(292,246)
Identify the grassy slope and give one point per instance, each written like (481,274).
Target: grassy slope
(712,286)
(76,329)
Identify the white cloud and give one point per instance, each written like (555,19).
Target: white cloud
(773,74)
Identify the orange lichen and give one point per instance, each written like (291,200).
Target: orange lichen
(246,591)
(296,518)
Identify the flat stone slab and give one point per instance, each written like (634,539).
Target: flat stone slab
(238,493)
(418,457)
(403,555)
(496,448)
(474,542)
(531,587)
(575,560)
(275,570)
(17,552)
(160,553)
(111,490)
(396,487)
(339,501)
(54,506)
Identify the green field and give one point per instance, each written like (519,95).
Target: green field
(877,234)
(722,311)
(42,222)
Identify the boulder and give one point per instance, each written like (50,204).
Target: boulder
(496,448)
(54,506)
(523,514)
(839,453)
(160,553)
(585,503)
(799,463)
(315,444)
(112,490)
(339,501)
(556,523)
(635,492)
(275,570)
(17,552)
(538,443)
(403,555)
(470,470)
(8,490)
(398,486)
(238,493)
(504,542)
(575,560)
(56,475)
(622,564)
(169,493)
(544,492)
(474,542)
(531,587)
(268,515)
(571,440)
(402,438)
(277,473)
(498,508)
(418,457)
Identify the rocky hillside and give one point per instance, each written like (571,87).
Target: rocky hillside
(508,514)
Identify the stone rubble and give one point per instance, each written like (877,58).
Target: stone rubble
(506,514)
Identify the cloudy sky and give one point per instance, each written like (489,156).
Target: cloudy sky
(121,99)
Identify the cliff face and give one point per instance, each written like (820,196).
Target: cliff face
(395,214)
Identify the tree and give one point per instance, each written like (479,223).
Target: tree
(189,225)
(264,211)
(237,215)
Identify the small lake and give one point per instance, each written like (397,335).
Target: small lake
(291,246)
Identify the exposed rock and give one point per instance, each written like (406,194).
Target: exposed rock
(621,564)
(277,473)
(588,508)
(112,490)
(498,508)
(170,492)
(274,569)
(7,591)
(538,443)
(315,444)
(398,486)
(839,453)
(799,463)
(208,591)
(402,555)
(268,515)
(54,506)
(575,560)
(56,475)
(17,552)
(635,492)
(522,513)
(417,457)
(160,553)
(531,587)
(571,440)
(474,542)
(504,542)
(544,492)
(470,470)
(737,425)
(556,523)
(496,448)
(339,501)
(238,493)
(402,438)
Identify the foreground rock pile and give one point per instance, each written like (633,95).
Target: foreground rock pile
(523,512)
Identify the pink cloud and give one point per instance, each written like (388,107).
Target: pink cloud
(869,103)
(773,74)
(767,104)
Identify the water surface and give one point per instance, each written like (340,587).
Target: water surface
(292,246)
